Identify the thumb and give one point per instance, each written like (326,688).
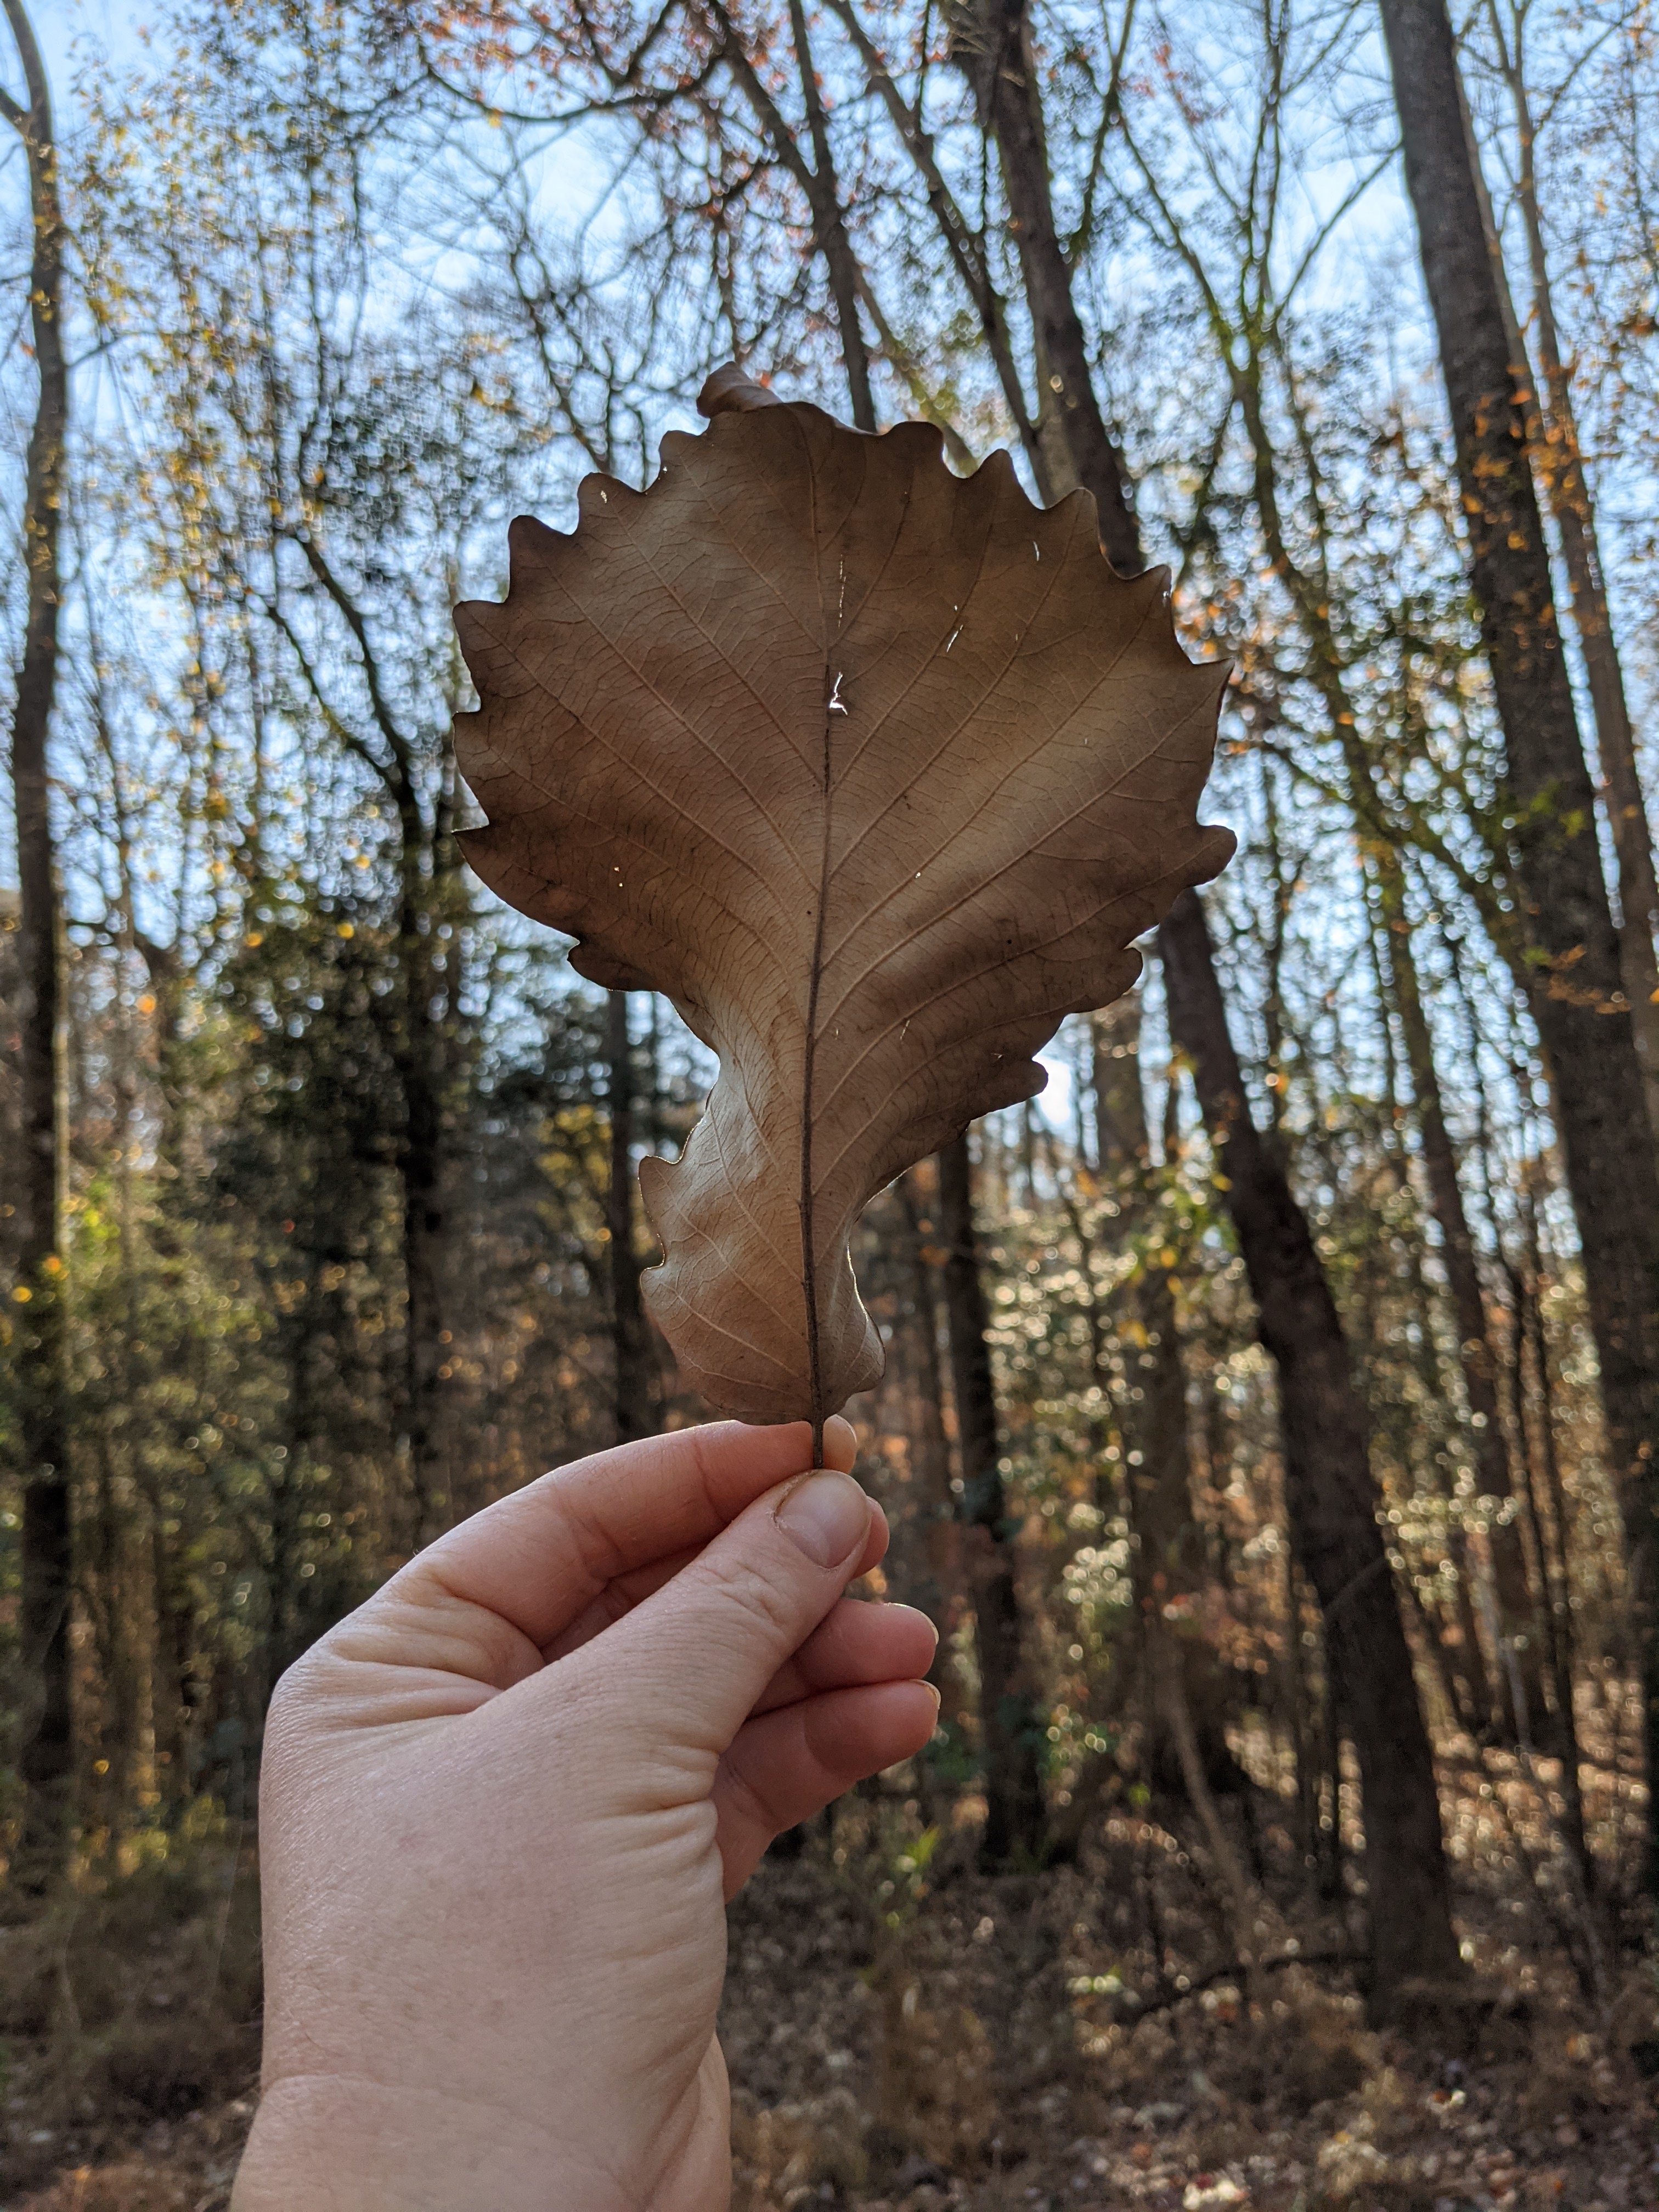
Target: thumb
(692,1661)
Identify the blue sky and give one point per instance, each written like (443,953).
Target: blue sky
(59,23)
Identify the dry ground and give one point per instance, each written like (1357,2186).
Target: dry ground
(906,2036)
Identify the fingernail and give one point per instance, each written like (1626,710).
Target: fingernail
(828,1515)
(916,1613)
(933,1693)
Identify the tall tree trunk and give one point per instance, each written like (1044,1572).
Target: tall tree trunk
(112,1611)
(47,1749)
(1014,1822)
(992,42)
(1555,1573)
(420,1171)
(831,228)
(1560,464)
(820,184)
(172,1678)
(1015,1819)
(1457,1256)
(1476,1695)
(1579,1004)
(1310,593)
(935,1450)
(1166,1562)
(427,860)
(1328,1469)
(634,1400)
(964,246)
(1331,1495)
(935,1580)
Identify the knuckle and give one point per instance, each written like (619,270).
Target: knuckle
(763,1598)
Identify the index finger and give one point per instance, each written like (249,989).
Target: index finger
(537,1559)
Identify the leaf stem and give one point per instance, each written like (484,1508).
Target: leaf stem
(808,1245)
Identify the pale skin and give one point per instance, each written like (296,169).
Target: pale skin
(504,1804)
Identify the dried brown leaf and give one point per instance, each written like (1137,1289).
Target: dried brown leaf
(877,773)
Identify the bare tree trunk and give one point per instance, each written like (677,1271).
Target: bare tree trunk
(934,1453)
(47,1749)
(1476,1694)
(819,184)
(112,1615)
(1169,1696)
(831,227)
(419,1041)
(634,1399)
(1514,1599)
(1015,1819)
(1560,462)
(1165,1563)
(1311,594)
(1329,1469)
(421,1169)
(1014,1823)
(171,1680)
(1555,1574)
(965,248)
(1579,1004)
(993,44)
(1330,1492)
(939,1582)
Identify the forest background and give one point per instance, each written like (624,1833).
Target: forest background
(1271,1408)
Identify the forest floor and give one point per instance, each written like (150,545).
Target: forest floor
(905,2035)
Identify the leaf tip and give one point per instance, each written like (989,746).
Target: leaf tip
(528,538)
(731,390)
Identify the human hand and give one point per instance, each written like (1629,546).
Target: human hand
(502,1807)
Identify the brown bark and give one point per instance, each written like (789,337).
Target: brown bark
(1169,1694)
(634,1399)
(47,1748)
(994,45)
(831,228)
(1554,1573)
(171,1680)
(105,1599)
(1310,594)
(1166,1561)
(421,1167)
(938,1585)
(933,1456)
(1457,1256)
(1119,1104)
(1330,1493)
(965,249)
(1158,1483)
(1474,1691)
(1011,1729)
(426,861)
(821,187)
(1579,1005)
(1015,1821)
(1560,462)
(1329,1469)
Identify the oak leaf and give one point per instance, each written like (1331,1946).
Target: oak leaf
(877,772)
